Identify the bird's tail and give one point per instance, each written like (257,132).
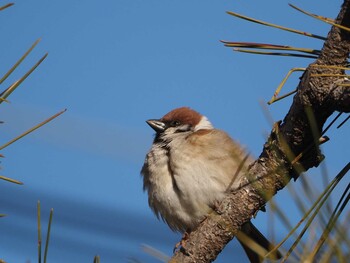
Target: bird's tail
(255,244)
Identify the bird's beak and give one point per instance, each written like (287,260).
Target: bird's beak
(157,125)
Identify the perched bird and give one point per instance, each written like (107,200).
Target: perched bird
(190,167)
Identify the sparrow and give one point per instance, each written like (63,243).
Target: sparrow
(189,169)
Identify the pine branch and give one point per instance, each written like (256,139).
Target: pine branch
(290,149)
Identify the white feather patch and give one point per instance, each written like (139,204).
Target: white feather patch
(204,124)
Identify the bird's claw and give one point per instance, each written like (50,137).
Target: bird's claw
(182,242)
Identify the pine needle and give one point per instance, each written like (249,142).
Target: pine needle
(155,253)
(342,123)
(316,206)
(275,26)
(324,19)
(254,45)
(329,66)
(274,53)
(48,235)
(8,73)
(280,86)
(332,221)
(10,180)
(6,6)
(329,75)
(10,89)
(39,232)
(32,129)
(331,123)
(97,259)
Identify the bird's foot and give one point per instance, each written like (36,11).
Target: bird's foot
(182,242)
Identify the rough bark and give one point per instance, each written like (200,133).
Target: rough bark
(316,99)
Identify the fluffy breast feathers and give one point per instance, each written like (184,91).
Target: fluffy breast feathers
(185,178)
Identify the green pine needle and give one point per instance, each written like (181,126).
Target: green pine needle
(10,180)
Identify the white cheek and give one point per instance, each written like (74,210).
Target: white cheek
(204,124)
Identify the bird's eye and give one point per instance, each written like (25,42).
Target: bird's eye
(174,123)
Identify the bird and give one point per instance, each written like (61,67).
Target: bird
(189,169)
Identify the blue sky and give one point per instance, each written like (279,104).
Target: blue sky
(113,65)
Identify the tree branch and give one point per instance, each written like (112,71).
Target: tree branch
(290,149)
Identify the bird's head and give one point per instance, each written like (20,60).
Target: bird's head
(180,120)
